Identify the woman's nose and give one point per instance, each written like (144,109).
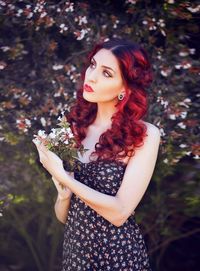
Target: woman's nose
(92,76)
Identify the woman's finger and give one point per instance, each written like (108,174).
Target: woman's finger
(39,145)
(40,152)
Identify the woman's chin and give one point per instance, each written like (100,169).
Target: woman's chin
(88,98)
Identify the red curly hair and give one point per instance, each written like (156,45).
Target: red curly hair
(127,131)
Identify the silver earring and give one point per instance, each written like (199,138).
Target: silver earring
(120,96)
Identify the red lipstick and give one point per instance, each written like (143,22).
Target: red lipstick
(88,88)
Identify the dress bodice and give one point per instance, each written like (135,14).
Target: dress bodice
(104,176)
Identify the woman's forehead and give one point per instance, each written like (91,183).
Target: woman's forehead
(105,57)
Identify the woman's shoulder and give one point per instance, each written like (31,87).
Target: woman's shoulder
(151,128)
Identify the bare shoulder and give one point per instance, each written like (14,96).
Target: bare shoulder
(150,144)
(152,130)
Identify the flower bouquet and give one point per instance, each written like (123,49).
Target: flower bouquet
(62,142)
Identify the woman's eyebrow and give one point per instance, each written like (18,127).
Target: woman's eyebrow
(104,66)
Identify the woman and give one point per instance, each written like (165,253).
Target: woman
(98,202)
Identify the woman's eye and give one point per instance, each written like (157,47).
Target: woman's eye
(91,64)
(107,74)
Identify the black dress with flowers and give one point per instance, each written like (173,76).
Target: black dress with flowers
(90,241)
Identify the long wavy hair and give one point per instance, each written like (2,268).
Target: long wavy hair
(127,131)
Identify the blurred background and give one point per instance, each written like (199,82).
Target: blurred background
(43,45)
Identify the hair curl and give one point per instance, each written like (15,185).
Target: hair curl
(127,131)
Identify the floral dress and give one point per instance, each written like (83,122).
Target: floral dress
(90,241)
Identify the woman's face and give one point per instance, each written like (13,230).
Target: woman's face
(103,76)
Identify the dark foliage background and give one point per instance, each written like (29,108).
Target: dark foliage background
(42,48)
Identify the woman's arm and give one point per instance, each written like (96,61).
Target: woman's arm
(116,209)
(62,203)
(62,208)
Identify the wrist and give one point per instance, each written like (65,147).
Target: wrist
(60,176)
(62,198)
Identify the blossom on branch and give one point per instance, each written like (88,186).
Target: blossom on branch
(62,142)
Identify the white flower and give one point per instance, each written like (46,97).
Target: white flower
(194,10)
(2,3)
(183,53)
(43,121)
(74,94)
(178,66)
(42,134)
(165,160)
(43,14)
(181,125)
(28,122)
(83,32)
(182,145)
(57,67)
(164,73)
(66,141)
(183,115)
(186,66)
(52,135)
(183,65)
(2,67)
(164,103)
(63,28)
(5,48)
(187,100)
(53,130)
(161,23)
(158,123)
(19,12)
(196,156)
(82,20)
(172,116)
(192,51)
(70,7)
(145,22)
(11,7)
(152,27)
(69,132)
(163,32)
(162,132)
(62,130)
(57,94)
(184,104)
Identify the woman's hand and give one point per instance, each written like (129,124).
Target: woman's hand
(63,191)
(50,161)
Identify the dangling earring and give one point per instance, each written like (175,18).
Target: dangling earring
(120,96)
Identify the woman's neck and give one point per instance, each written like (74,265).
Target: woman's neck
(105,112)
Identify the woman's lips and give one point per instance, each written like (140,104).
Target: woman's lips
(88,88)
